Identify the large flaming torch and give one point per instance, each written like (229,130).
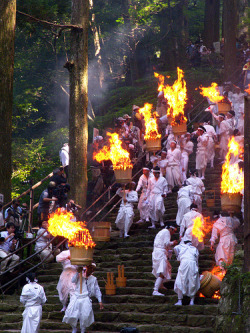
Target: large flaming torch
(80,242)
(119,157)
(152,135)
(176,96)
(232,182)
(214,96)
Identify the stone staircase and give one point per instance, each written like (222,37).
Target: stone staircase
(134,305)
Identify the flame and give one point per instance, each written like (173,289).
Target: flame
(219,272)
(201,227)
(119,157)
(161,81)
(151,128)
(176,96)
(248,89)
(232,176)
(212,93)
(61,224)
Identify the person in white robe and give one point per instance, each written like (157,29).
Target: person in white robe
(224,130)
(187,148)
(65,287)
(173,173)
(187,224)
(32,297)
(184,201)
(80,306)
(230,118)
(224,228)
(162,163)
(156,192)
(125,216)
(143,205)
(188,280)
(211,142)
(198,188)
(202,151)
(161,253)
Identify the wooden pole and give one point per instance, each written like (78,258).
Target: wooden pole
(80,279)
(247,185)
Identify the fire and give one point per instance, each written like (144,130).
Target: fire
(212,93)
(232,176)
(61,224)
(151,128)
(201,227)
(220,273)
(176,96)
(248,89)
(161,81)
(119,157)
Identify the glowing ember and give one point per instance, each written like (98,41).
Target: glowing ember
(176,96)
(60,224)
(232,176)
(220,273)
(119,157)
(216,295)
(201,227)
(151,128)
(212,93)
(248,89)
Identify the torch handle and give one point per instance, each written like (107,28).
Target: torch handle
(80,279)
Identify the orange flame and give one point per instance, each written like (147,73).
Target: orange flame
(201,227)
(220,273)
(232,176)
(61,224)
(212,93)
(114,152)
(176,96)
(161,81)
(151,128)
(248,89)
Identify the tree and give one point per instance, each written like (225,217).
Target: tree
(7,37)
(78,104)
(211,22)
(230,32)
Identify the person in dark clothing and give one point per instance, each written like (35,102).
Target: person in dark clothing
(44,202)
(58,176)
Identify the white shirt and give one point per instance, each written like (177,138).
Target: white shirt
(157,186)
(162,239)
(33,295)
(64,155)
(42,241)
(1,219)
(174,157)
(7,245)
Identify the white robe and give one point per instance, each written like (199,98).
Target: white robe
(173,173)
(160,255)
(80,306)
(188,279)
(202,153)
(184,201)
(198,189)
(240,125)
(186,151)
(125,215)
(65,287)
(162,164)
(154,195)
(224,228)
(210,146)
(224,137)
(33,297)
(187,226)
(143,205)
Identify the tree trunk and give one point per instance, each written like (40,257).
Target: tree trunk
(211,22)
(97,46)
(78,102)
(7,37)
(230,32)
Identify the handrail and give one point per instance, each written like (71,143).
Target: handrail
(22,247)
(111,199)
(28,258)
(34,267)
(31,188)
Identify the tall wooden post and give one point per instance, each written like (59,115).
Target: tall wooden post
(7,36)
(247,186)
(78,102)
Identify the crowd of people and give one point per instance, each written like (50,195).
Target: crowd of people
(161,175)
